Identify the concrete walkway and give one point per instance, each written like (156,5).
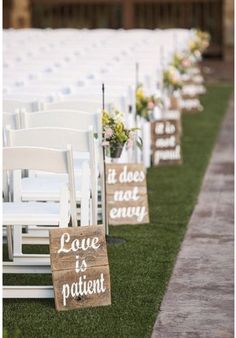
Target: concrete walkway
(199,299)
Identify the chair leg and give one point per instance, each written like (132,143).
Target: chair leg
(9,242)
(85,197)
(17,239)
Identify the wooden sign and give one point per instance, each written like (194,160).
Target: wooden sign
(80,269)
(166,148)
(174,103)
(191,104)
(126,194)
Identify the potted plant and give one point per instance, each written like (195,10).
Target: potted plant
(116,135)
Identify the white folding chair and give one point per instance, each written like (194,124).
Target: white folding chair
(65,118)
(74,120)
(46,215)
(15,214)
(47,187)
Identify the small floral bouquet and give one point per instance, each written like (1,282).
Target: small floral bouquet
(116,135)
(199,43)
(182,62)
(172,78)
(146,104)
(205,38)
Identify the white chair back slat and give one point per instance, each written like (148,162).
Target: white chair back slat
(82,105)
(50,137)
(32,158)
(72,119)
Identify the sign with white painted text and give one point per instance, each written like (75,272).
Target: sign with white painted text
(126,194)
(80,269)
(166,148)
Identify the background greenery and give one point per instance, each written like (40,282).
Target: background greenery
(140,268)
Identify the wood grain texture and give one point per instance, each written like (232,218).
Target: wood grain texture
(166,142)
(79,262)
(138,173)
(174,103)
(79,300)
(113,188)
(191,110)
(190,97)
(126,194)
(163,131)
(63,261)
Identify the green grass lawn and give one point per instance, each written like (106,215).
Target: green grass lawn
(140,268)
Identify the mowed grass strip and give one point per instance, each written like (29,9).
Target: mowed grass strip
(140,268)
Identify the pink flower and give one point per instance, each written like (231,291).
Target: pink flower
(150,105)
(108,132)
(186,63)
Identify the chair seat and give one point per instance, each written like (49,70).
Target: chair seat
(47,188)
(26,213)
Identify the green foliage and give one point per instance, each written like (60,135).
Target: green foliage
(172,78)
(145,104)
(116,134)
(140,268)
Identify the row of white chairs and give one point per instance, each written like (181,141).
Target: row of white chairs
(40,131)
(41,200)
(51,113)
(114,52)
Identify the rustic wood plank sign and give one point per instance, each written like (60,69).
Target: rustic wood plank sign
(166,146)
(80,269)
(191,104)
(174,103)
(126,194)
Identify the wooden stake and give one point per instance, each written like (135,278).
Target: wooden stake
(105,216)
(136,116)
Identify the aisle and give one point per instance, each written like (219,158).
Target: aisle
(141,267)
(199,298)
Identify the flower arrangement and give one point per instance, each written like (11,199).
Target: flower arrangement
(172,78)
(145,104)
(205,38)
(116,135)
(199,43)
(182,62)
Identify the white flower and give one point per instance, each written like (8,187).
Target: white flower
(131,135)
(117,116)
